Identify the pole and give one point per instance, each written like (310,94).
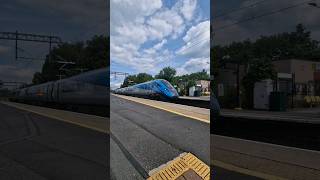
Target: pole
(16,50)
(238,85)
(293,90)
(50,45)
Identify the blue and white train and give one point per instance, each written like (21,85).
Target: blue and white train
(89,88)
(155,89)
(162,90)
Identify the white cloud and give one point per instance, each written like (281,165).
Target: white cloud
(135,22)
(164,23)
(194,65)
(268,25)
(160,44)
(197,41)
(188,9)
(15,73)
(80,11)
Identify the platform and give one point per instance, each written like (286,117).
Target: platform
(196,113)
(301,116)
(204,98)
(263,160)
(150,134)
(42,143)
(97,123)
(184,167)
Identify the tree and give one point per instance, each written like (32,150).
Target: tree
(167,73)
(92,54)
(38,78)
(128,81)
(257,56)
(96,53)
(143,77)
(186,81)
(136,79)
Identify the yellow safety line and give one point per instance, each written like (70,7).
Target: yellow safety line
(234,168)
(58,118)
(177,167)
(165,109)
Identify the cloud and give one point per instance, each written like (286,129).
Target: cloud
(85,12)
(15,73)
(197,41)
(165,22)
(160,44)
(135,23)
(284,21)
(188,8)
(194,65)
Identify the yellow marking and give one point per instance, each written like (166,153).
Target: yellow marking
(165,109)
(82,123)
(180,165)
(234,168)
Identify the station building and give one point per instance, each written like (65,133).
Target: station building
(205,86)
(304,73)
(296,77)
(201,88)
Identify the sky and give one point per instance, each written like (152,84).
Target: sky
(284,21)
(148,35)
(72,20)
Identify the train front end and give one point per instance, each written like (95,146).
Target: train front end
(166,89)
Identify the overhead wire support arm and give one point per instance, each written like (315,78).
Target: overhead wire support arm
(30,37)
(16,36)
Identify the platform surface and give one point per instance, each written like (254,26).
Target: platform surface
(201,114)
(263,160)
(301,115)
(55,145)
(204,98)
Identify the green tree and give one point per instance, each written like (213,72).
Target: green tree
(96,53)
(38,78)
(92,54)
(257,56)
(186,81)
(129,81)
(136,79)
(143,77)
(167,73)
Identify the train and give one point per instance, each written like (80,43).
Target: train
(161,89)
(155,89)
(90,88)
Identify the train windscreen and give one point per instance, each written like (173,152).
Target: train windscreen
(168,85)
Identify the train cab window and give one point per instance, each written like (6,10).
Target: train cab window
(168,85)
